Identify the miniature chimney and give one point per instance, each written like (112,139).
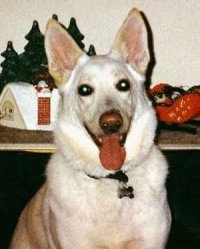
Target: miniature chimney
(44,103)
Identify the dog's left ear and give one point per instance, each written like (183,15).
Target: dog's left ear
(62,52)
(132,41)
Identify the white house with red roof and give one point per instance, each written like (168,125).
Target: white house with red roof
(25,106)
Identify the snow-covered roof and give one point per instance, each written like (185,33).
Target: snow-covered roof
(25,96)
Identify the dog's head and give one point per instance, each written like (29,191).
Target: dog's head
(105,117)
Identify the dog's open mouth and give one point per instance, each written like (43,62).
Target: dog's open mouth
(111,149)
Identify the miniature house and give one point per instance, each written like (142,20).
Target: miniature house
(24,106)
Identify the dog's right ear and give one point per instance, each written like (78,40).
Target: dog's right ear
(62,52)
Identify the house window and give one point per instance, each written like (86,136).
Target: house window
(8,111)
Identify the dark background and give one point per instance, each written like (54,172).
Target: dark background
(21,174)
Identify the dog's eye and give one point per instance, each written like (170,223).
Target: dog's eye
(123,85)
(85,90)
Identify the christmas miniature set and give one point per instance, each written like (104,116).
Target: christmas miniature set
(29,98)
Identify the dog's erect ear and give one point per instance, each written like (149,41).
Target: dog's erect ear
(62,51)
(132,41)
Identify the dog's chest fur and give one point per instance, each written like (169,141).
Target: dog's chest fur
(91,210)
(96,215)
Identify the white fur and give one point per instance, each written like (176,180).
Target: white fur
(92,216)
(74,210)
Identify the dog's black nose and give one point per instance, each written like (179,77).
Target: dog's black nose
(110,122)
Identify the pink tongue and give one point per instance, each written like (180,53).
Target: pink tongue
(112,154)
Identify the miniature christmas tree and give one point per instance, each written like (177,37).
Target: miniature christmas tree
(55,17)
(9,65)
(34,58)
(75,33)
(91,50)
(31,65)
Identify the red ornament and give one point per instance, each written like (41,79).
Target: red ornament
(174,104)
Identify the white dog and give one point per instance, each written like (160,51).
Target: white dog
(105,185)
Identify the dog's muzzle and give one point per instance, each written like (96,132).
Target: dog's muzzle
(111,140)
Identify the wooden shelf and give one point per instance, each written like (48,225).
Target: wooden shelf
(42,141)
(176,140)
(29,147)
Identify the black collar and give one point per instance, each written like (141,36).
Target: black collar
(118,175)
(124,190)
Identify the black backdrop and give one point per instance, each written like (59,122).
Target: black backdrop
(21,174)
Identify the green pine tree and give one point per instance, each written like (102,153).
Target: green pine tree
(55,17)
(75,33)
(91,50)
(33,59)
(9,66)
